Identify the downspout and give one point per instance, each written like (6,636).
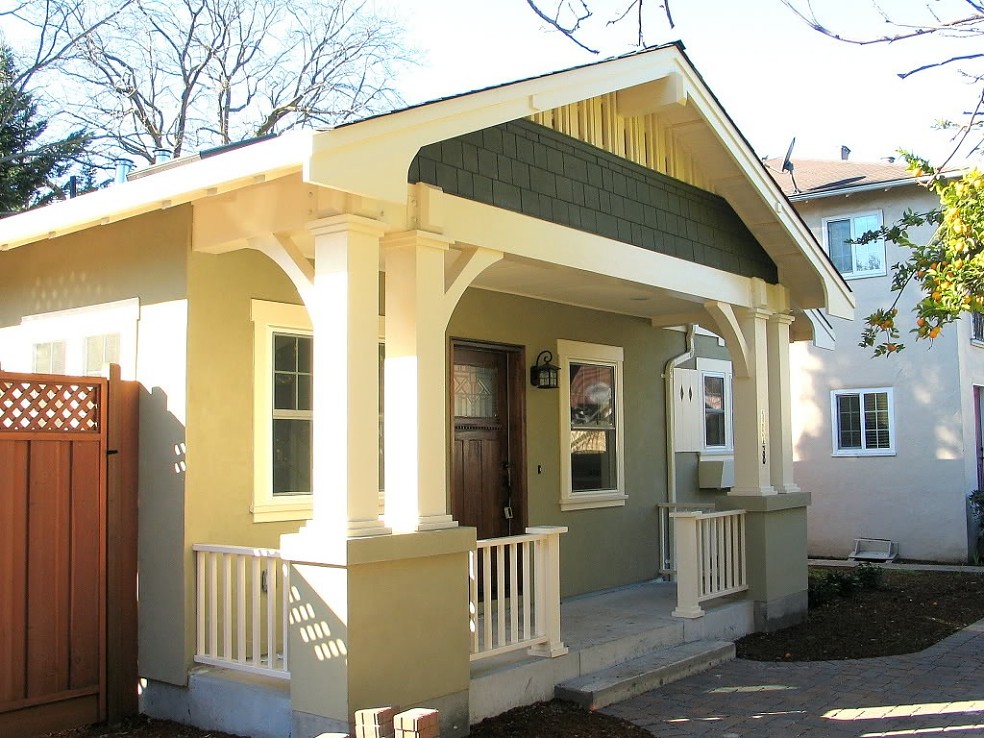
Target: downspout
(672,364)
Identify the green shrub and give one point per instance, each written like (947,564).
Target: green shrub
(820,589)
(869,575)
(844,581)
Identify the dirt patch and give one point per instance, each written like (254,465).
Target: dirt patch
(907,612)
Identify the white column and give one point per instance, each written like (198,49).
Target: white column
(686,561)
(780,404)
(415,393)
(344,311)
(751,409)
(547,577)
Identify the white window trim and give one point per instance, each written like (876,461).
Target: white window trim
(852,217)
(834,394)
(979,342)
(577,351)
(270,318)
(73,327)
(717,368)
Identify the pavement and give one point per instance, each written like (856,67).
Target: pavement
(936,692)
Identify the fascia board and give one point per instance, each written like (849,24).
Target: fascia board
(840,300)
(389,142)
(262,161)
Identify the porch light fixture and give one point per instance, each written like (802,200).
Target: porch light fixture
(544,375)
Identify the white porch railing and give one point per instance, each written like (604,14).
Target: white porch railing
(710,558)
(242,609)
(667,567)
(514,586)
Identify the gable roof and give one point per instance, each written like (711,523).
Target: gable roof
(371,158)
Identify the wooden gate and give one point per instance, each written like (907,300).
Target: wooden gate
(67,551)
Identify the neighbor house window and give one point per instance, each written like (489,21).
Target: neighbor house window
(99,351)
(591,425)
(863,422)
(49,358)
(855,259)
(977,328)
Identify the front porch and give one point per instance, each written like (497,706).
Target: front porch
(599,630)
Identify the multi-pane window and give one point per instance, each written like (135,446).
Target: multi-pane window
(49,357)
(977,334)
(863,422)
(855,259)
(715,411)
(101,350)
(591,425)
(292,392)
(593,441)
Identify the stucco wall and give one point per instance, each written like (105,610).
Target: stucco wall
(917,496)
(143,258)
(605,547)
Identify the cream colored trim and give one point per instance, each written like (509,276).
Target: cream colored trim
(268,318)
(578,351)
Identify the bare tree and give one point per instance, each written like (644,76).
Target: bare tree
(191,74)
(576,19)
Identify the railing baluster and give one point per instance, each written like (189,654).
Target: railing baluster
(213,606)
(513,593)
(285,618)
(487,598)
(271,612)
(241,609)
(255,611)
(473,598)
(200,599)
(500,594)
(226,604)
(527,593)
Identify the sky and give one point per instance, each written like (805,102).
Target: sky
(775,76)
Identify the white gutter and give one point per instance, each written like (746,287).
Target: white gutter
(672,364)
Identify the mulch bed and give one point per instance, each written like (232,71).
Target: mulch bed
(908,612)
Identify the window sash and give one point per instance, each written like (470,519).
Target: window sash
(863,422)
(855,259)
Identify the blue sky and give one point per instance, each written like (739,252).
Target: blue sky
(775,76)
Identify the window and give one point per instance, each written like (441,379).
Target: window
(591,425)
(282,401)
(283,396)
(863,422)
(77,341)
(977,328)
(715,379)
(855,259)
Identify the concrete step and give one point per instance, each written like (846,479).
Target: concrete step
(642,674)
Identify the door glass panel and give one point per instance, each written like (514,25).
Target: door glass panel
(474,391)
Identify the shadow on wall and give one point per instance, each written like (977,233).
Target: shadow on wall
(164,646)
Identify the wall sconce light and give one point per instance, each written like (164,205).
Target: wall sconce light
(545,375)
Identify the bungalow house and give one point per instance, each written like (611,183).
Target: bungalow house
(904,471)
(360,349)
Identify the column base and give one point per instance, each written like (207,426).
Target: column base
(790,489)
(436,522)
(549,651)
(763,491)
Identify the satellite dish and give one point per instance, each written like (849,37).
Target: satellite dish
(787,164)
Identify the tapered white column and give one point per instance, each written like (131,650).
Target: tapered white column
(753,470)
(780,404)
(415,397)
(344,309)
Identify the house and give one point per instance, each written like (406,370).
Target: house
(890,447)
(490,288)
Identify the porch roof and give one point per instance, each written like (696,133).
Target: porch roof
(370,158)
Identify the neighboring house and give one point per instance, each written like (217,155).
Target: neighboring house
(889,447)
(423,262)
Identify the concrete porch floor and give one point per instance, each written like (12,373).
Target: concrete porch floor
(601,629)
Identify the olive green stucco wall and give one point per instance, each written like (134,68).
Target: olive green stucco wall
(605,547)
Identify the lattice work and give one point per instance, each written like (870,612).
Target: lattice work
(46,406)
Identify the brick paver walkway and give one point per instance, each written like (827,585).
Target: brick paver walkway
(937,692)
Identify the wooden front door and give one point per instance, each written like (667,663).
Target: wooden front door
(487,490)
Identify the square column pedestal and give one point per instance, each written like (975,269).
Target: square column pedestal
(775,546)
(388,625)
